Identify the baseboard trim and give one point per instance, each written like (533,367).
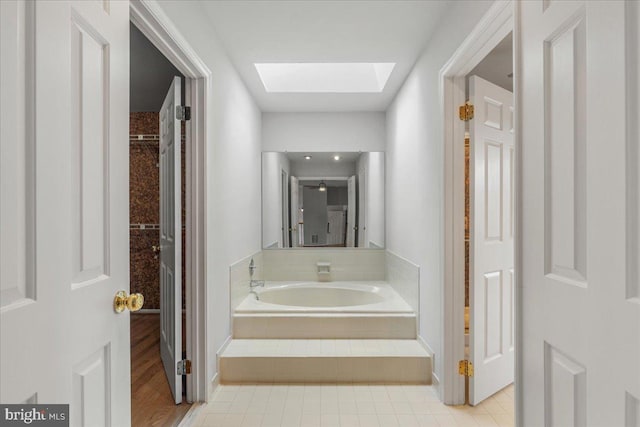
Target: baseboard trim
(435,380)
(426,346)
(213,386)
(224,346)
(221,350)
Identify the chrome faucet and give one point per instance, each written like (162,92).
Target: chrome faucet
(256,283)
(252,282)
(252,268)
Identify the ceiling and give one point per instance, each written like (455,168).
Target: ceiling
(324,31)
(320,158)
(497,66)
(150,74)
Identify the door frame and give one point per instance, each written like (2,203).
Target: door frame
(496,24)
(285,211)
(151,20)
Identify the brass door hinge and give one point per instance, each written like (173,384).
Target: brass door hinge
(184,367)
(465,368)
(466,112)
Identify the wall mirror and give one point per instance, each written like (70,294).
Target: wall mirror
(329,199)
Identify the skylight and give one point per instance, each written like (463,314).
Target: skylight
(325,77)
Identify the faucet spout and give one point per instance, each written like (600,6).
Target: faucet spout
(256,283)
(256,294)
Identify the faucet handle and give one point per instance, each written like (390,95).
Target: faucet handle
(252,267)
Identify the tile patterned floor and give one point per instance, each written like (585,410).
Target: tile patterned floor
(329,405)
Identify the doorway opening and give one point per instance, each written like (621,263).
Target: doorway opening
(151,20)
(489,224)
(155,398)
(324,205)
(479,293)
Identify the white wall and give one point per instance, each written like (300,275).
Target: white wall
(323,132)
(414,166)
(371,189)
(362,168)
(233,169)
(375,205)
(272,166)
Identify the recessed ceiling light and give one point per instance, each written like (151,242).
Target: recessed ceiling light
(307,157)
(325,77)
(336,157)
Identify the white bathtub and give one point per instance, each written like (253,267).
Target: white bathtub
(324,297)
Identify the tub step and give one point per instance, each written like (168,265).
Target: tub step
(318,326)
(325,361)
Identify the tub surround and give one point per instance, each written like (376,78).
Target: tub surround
(325,361)
(404,277)
(347,264)
(389,316)
(356,328)
(319,297)
(324,326)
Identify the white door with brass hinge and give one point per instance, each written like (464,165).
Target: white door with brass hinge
(293,208)
(491,250)
(64,90)
(171,239)
(579,252)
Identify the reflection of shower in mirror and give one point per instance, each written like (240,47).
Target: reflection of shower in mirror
(323,200)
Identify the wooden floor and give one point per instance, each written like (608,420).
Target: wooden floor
(151,400)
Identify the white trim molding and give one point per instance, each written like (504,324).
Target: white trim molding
(495,25)
(517,84)
(435,380)
(151,20)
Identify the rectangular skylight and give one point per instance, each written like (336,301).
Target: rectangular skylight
(325,77)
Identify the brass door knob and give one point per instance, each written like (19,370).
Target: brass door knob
(133,302)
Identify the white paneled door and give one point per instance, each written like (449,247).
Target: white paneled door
(491,247)
(352,229)
(64,207)
(335,228)
(580,257)
(293,207)
(171,239)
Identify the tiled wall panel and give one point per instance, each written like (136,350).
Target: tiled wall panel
(144,208)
